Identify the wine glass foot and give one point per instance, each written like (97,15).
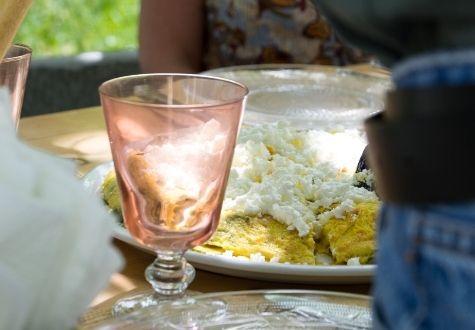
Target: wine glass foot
(169,276)
(145,299)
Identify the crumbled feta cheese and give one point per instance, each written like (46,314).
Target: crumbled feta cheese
(353,261)
(366,177)
(257,257)
(254,257)
(300,178)
(323,259)
(337,212)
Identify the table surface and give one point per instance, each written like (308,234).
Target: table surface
(80,135)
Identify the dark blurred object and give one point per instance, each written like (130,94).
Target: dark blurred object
(63,83)
(363,175)
(396,29)
(421,147)
(363,162)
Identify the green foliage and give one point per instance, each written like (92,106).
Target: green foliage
(66,27)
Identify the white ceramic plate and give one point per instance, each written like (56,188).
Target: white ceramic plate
(308,96)
(241,268)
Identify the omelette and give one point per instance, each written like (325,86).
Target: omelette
(351,237)
(244,236)
(110,192)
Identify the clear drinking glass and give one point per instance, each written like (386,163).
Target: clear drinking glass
(172,138)
(13,73)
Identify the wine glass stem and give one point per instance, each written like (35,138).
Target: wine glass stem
(170,274)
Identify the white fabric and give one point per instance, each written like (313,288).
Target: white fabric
(55,249)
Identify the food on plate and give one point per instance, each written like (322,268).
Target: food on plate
(293,197)
(251,235)
(110,192)
(353,236)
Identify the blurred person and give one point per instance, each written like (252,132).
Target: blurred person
(421,148)
(195,35)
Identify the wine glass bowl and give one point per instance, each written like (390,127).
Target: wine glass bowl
(13,74)
(172,138)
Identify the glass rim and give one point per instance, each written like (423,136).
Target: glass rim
(27,53)
(176,106)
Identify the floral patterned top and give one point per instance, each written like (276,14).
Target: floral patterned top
(272,31)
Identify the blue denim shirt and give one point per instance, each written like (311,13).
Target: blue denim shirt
(426,257)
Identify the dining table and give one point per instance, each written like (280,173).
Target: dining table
(80,135)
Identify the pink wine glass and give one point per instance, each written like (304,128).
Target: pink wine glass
(13,73)
(172,138)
